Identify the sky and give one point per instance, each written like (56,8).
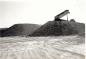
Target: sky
(39,11)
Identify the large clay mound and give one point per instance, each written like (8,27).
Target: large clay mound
(20,30)
(55,28)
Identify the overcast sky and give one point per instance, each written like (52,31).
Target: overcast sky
(39,11)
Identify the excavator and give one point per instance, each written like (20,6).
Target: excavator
(57,17)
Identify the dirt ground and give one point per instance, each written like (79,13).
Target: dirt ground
(55,47)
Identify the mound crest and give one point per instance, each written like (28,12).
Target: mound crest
(55,28)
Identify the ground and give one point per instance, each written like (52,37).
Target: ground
(52,47)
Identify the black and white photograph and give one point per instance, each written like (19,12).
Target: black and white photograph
(42,29)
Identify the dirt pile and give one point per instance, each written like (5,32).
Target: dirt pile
(55,28)
(19,30)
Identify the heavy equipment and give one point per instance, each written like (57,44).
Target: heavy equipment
(57,17)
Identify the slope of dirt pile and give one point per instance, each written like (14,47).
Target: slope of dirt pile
(20,30)
(55,28)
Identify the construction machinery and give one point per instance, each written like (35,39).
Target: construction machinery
(57,17)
